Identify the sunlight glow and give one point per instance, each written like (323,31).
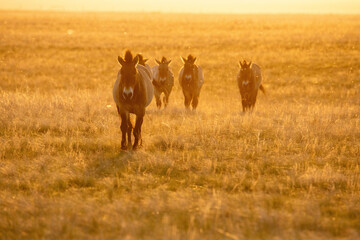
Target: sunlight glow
(199,6)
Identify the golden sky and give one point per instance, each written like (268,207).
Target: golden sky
(197,6)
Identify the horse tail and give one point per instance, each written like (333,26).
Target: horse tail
(261,87)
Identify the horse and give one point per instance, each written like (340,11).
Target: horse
(191,79)
(249,80)
(163,81)
(132,93)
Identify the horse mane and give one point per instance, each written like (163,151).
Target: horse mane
(163,60)
(190,58)
(128,56)
(140,57)
(245,64)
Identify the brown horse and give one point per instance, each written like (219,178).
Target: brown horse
(132,92)
(249,81)
(163,81)
(191,79)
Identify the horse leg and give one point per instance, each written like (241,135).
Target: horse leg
(187,100)
(137,129)
(124,129)
(165,100)
(251,106)
(195,102)
(158,101)
(261,87)
(243,103)
(253,100)
(129,130)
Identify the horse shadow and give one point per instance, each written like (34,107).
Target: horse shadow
(108,162)
(173,110)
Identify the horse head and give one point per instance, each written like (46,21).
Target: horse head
(189,69)
(163,68)
(129,78)
(246,74)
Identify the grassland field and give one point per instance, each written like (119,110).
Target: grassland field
(289,170)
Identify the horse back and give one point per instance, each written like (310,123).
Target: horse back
(146,81)
(170,77)
(116,90)
(200,76)
(256,75)
(155,71)
(148,71)
(181,72)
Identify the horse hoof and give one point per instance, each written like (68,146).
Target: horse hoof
(135,147)
(124,148)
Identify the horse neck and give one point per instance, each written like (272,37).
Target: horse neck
(252,76)
(168,74)
(137,85)
(195,73)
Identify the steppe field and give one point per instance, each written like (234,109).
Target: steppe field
(288,170)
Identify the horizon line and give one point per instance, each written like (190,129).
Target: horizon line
(184,12)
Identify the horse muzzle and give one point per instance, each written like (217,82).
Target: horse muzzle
(128,93)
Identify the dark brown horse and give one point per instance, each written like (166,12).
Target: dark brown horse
(132,92)
(163,81)
(249,81)
(191,79)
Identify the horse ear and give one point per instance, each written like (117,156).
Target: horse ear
(246,64)
(168,62)
(241,65)
(250,64)
(183,60)
(194,61)
(121,61)
(135,60)
(157,61)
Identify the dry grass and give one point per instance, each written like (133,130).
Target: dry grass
(290,170)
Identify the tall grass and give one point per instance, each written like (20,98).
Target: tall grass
(289,170)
